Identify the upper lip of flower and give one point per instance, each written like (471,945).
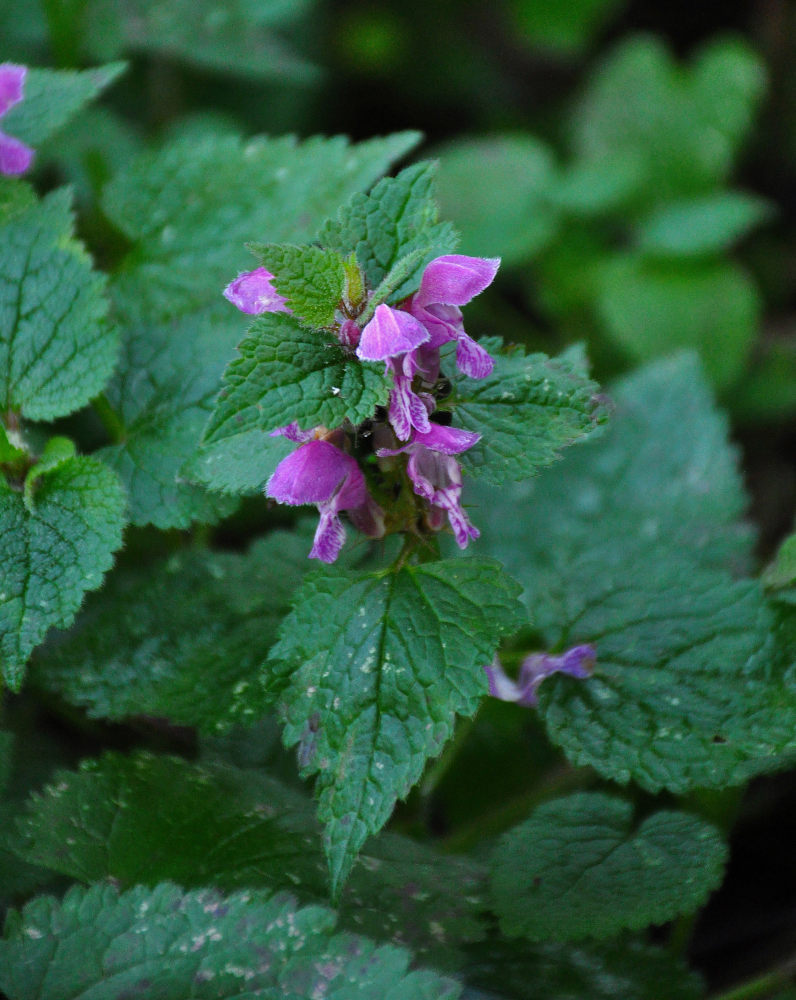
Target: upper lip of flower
(15,156)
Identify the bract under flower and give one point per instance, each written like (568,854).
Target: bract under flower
(15,156)
(253,292)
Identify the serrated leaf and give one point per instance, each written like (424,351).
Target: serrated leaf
(285,373)
(54,553)
(372,670)
(161,395)
(239,464)
(193,206)
(651,308)
(699,226)
(52,97)
(242,39)
(179,640)
(148,819)
(626,545)
(527,411)
(630,969)
(309,277)
(779,576)
(398,217)
(56,347)
(246,945)
(498,190)
(581,867)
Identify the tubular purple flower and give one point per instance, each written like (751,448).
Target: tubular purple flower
(253,292)
(577,662)
(15,156)
(320,474)
(390,333)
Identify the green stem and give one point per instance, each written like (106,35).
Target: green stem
(111,420)
(765,986)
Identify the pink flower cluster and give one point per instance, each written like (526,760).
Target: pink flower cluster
(408,340)
(15,156)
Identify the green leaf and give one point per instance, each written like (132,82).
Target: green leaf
(497,191)
(192,206)
(630,969)
(397,218)
(179,640)
(51,98)
(581,867)
(285,373)
(239,464)
(241,39)
(779,576)
(684,124)
(57,451)
(310,278)
(565,28)
(367,706)
(653,308)
(160,397)
(147,819)
(626,545)
(56,348)
(54,553)
(705,225)
(527,411)
(202,944)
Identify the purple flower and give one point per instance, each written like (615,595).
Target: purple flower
(577,662)
(253,292)
(391,333)
(319,473)
(15,156)
(447,283)
(437,477)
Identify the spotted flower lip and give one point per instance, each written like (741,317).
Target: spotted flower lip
(253,292)
(319,473)
(577,662)
(15,156)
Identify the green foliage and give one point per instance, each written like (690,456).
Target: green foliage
(396,219)
(55,548)
(630,540)
(310,278)
(368,708)
(56,347)
(52,98)
(498,191)
(780,576)
(285,373)
(179,640)
(158,403)
(527,410)
(581,867)
(191,207)
(704,225)
(149,819)
(198,943)
(564,28)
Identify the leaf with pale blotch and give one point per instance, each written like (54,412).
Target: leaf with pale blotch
(581,867)
(57,349)
(180,639)
(309,277)
(51,98)
(627,545)
(191,207)
(54,550)
(528,410)
(397,218)
(161,394)
(372,670)
(284,373)
(147,819)
(172,944)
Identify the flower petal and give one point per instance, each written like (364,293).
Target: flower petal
(472,359)
(253,292)
(391,332)
(313,473)
(454,279)
(15,156)
(12,82)
(448,440)
(407,409)
(329,537)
